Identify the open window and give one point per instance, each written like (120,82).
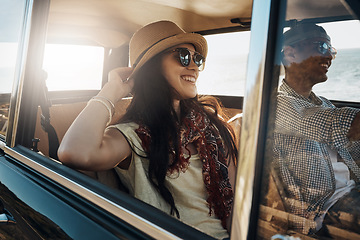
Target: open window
(57,39)
(225,67)
(73,67)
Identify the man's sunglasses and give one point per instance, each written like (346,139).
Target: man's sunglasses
(324,48)
(185,58)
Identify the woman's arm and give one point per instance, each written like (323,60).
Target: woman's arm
(87,145)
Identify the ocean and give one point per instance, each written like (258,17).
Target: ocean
(227,76)
(343,77)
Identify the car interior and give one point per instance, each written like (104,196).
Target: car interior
(98,23)
(106,26)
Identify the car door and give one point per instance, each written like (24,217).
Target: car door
(40,197)
(258,198)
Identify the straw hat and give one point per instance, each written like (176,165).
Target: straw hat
(303,31)
(157,37)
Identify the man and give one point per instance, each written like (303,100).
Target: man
(316,145)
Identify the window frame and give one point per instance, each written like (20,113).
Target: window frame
(264,33)
(15,95)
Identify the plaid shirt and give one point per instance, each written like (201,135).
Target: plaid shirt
(304,129)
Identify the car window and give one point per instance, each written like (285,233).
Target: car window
(309,162)
(344,73)
(73,67)
(83,65)
(11,23)
(225,66)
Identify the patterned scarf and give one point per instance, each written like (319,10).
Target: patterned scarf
(197,129)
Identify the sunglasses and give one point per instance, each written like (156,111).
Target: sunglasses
(185,58)
(324,48)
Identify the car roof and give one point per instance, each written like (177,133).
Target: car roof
(111,23)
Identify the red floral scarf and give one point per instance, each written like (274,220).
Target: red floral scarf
(196,128)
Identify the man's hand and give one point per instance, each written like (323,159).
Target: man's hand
(354,132)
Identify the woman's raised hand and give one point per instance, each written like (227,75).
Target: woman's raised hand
(119,85)
(120,74)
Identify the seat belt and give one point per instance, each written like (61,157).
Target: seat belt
(45,105)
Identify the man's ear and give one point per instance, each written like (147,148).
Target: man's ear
(288,55)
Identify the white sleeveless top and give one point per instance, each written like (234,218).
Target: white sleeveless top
(187,188)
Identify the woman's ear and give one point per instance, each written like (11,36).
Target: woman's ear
(288,55)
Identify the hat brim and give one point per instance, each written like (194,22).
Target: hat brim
(195,39)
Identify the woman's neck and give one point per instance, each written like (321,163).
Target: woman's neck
(177,107)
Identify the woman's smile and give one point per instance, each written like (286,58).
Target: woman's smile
(188,78)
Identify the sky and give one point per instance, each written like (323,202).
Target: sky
(344,34)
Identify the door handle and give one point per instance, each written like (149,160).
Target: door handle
(5,216)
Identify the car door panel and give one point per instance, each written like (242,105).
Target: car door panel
(44,210)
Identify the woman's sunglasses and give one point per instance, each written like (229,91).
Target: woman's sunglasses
(324,48)
(185,58)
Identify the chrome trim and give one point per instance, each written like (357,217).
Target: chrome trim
(16,94)
(251,122)
(117,210)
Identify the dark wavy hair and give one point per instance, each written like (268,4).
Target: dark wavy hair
(152,106)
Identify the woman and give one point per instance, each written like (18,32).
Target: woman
(172,149)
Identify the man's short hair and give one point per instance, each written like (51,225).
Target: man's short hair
(303,31)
